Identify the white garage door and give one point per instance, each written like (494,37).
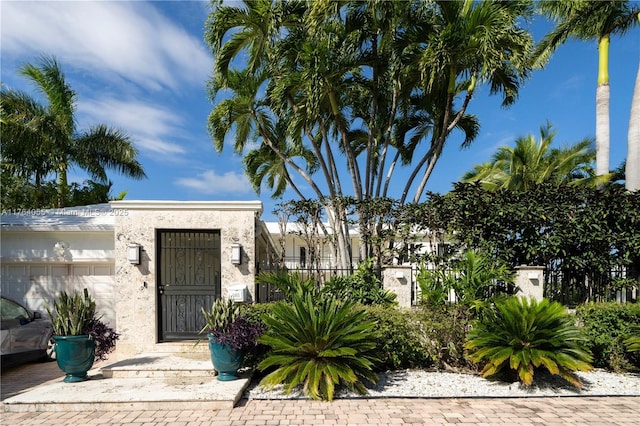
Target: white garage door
(36,284)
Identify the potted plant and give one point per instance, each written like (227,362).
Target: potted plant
(230,335)
(80,337)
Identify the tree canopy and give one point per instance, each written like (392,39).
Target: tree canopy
(339,95)
(533,162)
(40,140)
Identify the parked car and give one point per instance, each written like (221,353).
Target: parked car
(24,334)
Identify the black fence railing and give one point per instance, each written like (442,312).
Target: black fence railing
(270,293)
(573,288)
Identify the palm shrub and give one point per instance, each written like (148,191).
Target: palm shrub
(633,342)
(473,278)
(523,334)
(319,343)
(363,286)
(289,284)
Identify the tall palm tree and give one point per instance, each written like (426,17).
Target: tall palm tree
(531,162)
(463,44)
(590,20)
(632,180)
(44,139)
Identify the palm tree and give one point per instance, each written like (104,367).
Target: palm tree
(463,44)
(531,162)
(632,181)
(42,139)
(590,20)
(341,76)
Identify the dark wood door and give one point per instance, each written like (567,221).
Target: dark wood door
(188,280)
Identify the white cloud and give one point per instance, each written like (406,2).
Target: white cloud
(112,40)
(211,183)
(149,127)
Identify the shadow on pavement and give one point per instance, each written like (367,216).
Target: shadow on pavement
(19,378)
(16,379)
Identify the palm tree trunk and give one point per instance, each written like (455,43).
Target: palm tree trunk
(63,185)
(602,108)
(632,178)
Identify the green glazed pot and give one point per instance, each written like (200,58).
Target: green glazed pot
(74,355)
(226,360)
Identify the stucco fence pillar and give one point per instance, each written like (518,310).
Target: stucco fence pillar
(398,280)
(530,281)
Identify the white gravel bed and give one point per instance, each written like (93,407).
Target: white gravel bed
(425,384)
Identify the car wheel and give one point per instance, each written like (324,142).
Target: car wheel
(50,352)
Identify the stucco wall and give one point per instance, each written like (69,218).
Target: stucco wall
(136,291)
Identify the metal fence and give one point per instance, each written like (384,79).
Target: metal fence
(270,293)
(573,288)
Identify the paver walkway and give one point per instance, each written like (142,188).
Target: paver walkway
(369,412)
(354,412)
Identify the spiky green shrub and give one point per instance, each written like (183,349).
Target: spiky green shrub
(318,344)
(633,342)
(607,326)
(289,283)
(75,315)
(473,278)
(71,314)
(523,334)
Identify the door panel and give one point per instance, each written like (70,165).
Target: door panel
(188,280)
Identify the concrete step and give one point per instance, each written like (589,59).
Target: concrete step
(162,365)
(147,382)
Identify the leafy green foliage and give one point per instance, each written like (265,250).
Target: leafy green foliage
(578,231)
(607,326)
(363,286)
(401,339)
(633,342)
(319,345)
(522,335)
(222,314)
(40,140)
(291,284)
(472,278)
(446,327)
(532,162)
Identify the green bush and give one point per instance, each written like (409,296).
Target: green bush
(522,334)
(446,327)
(319,344)
(473,277)
(401,341)
(363,286)
(607,326)
(254,313)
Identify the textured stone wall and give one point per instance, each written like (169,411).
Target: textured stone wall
(136,293)
(398,280)
(530,281)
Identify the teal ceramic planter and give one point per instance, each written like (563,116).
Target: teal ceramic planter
(74,355)
(226,360)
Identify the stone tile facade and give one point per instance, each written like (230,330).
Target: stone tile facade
(136,293)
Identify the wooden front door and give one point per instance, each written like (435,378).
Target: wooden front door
(188,280)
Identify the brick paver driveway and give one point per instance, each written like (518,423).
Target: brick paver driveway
(369,412)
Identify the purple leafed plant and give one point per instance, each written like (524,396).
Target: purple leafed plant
(240,334)
(104,336)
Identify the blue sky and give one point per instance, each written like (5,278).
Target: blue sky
(143,66)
